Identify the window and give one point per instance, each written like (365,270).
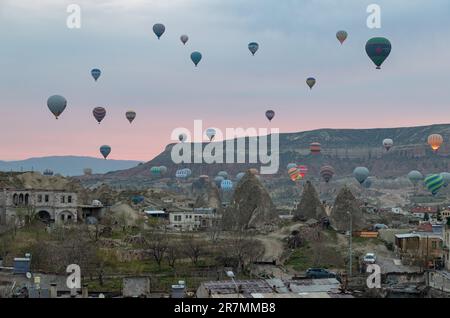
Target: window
(47,198)
(69,217)
(63,199)
(433,244)
(39,198)
(69,199)
(177,218)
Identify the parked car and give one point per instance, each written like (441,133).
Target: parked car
(370,258)
(319,273)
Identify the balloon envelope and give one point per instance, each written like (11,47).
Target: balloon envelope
(223,174)
(294,174)
(315,148)
(327,172)
(226,185)
(253,47)
(218,180)
(159,29)
(96,73)
(270,114)
(240,175)
(211,133)
(415,176)
(434,183)
(99,114)
(446,177)
(105,151)
(196,57)
(291,165)
(163,170)
(341,36)
(184,39)
(311,81)
(378,50)
(388,144)
(303,170)
(361,174)
(435,141)
(130,115)
(57,104)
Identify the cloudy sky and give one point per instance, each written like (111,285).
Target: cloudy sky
(40,56)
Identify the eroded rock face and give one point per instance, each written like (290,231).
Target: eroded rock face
(310,206)
(340,220)
(207,195)
(251,206)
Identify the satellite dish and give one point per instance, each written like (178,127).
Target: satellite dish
(28,275)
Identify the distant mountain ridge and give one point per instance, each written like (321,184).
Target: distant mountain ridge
(67,165)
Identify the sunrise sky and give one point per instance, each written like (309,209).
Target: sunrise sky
(40,56)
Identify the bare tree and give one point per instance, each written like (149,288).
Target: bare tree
(193,249)
(173,254)
(157,244)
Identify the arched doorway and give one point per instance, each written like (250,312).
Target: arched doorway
(44,216)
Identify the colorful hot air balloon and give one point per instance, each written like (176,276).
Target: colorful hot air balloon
(130,115)
(155,171)
(315,148)
(226,185)
(388,144)
(57,104)
(196,57)
(291,165)
(368,183)
(188,172)
(105,150)
(303,171)
(446,177)
(435,141)
(159,30)
(270,114)
(341,36)
(211,133)
(223,174)
(96,73)
(294,174)
(361,174)
(253,47)
(327,173)
(311,81)
(434,183)
(99,114)
(378,50)
(415,177)
(184,39)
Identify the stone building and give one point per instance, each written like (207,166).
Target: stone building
(49,206)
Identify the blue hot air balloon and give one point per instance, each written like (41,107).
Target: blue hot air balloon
(239,176)
(96,73)
(226,185)
(434,183)
(105,150)
(57,104)
(196,57)
(253,47)
(361,174)
(159,29)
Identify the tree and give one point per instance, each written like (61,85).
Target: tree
(439,215)
(173,254)
(157,244)
(193,249)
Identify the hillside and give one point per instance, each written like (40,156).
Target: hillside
(344,149)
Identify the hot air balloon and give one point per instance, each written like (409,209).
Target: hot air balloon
(188,172)
(327,173)
(196,57)
(155,171)
(434,183)
(223,174)
(182,137)
(388,144)
(446,177)
(184,39)
(105,150)
(303,171)
(218,180)
(315,148)
(311,81)
(226,185)
(368,183)
(96,73)
(291,165)
(415,177)
(163,170)
(99,114)
(270,114)
(378,50)
(239,176)
(294,174)
(253,47)
(435,141)
(57,104)
(253,171)
(211,133)
(341,36)
(130,115)
(361,174)
(159,29)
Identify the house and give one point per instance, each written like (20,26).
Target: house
(195,220)
(420,248)
(421,211)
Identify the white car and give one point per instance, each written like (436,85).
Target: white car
(370,258)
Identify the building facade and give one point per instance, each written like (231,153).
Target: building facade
(196,220)
(49,206)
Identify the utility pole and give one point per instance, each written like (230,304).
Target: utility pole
(350,263)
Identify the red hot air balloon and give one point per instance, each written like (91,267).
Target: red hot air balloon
(315,148)
(303,171)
